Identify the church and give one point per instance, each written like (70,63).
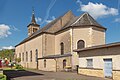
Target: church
(51,48)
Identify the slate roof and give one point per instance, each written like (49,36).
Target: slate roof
(33,21)
(84,20)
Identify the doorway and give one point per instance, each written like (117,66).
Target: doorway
(64,63)
(108,68)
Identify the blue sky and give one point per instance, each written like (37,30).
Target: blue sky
(15,15)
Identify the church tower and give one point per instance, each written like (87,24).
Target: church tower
(33,26)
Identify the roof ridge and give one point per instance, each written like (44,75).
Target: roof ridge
(78,19)
(89,19)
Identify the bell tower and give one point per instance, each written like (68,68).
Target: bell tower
(33,26)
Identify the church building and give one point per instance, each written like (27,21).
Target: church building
(50,48)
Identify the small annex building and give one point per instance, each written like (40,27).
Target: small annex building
(100,61)
(50,48)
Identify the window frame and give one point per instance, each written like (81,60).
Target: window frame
(89,63)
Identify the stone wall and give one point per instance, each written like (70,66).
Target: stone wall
(116,74)
(91,72)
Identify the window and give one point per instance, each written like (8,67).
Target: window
(36,55)
(80,44)
(26,56)
(44,63)
(28,30)
(23,56)
(34,29)
(89,63)
(20,55)
(62,48)
(30,56)
(64,63)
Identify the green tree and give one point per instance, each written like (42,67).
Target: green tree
(9,54)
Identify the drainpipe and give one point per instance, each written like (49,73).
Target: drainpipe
(37,63)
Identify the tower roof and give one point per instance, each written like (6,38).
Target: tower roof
(33,21)
(33,18)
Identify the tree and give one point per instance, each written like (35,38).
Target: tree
(9,54)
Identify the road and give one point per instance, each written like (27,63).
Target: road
(42,75)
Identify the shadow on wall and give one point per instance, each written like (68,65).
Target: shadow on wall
(19,73)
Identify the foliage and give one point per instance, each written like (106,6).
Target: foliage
(9,54)
(18,60)
(2,77)
(18,66)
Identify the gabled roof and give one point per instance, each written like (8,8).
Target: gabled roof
(73,21)
(83,20)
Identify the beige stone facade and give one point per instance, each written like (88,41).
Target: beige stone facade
(67,29)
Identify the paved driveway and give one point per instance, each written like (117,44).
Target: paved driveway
(41,75)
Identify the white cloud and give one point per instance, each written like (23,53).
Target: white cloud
(117,20)
(52,3)
(52,18)
(38,19)
(9,47)
(97,10)
(4,30)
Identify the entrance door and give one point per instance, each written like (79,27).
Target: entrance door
(64,63)
(108,68)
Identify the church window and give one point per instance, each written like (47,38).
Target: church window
(30,56)
(23,56)
(26,56)
(36,55)
(62,48)
(34,29)
(80,44)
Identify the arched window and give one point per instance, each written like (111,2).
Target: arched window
(36,55)
(23,56)
(26,56)
(62,48)
(80,44)
(20,55)
(30,56)
(64,63)
(44,63)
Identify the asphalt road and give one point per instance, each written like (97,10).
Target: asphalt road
(42,75)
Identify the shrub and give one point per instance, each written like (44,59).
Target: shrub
(18,66)
(2,77)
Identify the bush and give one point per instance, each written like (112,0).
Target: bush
(2,77)
(18,66)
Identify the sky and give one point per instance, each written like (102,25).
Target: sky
(15,15)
